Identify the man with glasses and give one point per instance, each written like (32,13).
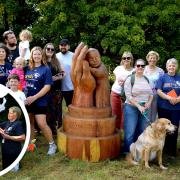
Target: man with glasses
(65,58)
(11,42)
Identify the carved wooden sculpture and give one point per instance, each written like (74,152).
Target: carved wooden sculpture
(89,128)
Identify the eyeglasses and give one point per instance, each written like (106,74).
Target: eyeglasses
(50,49)
(126,58)
(140,65)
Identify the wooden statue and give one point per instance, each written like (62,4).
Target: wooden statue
(89,131)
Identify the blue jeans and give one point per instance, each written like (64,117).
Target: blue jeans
(134,125)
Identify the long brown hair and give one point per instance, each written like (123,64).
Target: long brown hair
(31,61)
(54,61)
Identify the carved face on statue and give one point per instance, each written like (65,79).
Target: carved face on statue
(93,57)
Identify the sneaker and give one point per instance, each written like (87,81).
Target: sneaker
(15,168)
(52,149)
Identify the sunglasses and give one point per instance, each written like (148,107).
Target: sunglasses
(126,58)
(140,65)
(50,49)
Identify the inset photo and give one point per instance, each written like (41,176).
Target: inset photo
(14,130)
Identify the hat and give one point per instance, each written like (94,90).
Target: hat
(64,41)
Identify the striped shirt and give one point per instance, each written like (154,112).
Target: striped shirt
(141,90)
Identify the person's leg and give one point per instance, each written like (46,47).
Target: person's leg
(41,121)
(170,146)
(130,123)
(57,103)
(68,95)
(31,118)
(153,110)
(116,105)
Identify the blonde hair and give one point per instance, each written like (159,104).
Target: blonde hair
(127,53)
(19,58)
(173,61)
(31,61)
(25,32)
(152,53)
(17,110)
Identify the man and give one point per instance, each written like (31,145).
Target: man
(11,42)
(65,58)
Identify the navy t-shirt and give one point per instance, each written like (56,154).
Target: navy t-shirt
(4,72)
(13,55)
(36,79)
(13,129)
(167,83)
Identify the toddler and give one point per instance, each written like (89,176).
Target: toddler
(25,37)
(18,69)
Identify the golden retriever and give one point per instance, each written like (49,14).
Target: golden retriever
(150,143)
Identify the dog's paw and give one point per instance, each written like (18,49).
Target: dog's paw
(163,167)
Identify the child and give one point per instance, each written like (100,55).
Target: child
(12,134)
(100,74)
(26,37)
(13,81)
(19,64)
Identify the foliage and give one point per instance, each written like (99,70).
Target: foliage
(111,26)
(16,15)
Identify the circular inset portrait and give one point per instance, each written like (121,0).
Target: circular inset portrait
(14,129)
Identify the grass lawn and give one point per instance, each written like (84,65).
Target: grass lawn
(38,165)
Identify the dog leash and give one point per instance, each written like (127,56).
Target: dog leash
(147,119)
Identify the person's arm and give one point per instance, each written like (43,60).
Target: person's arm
(13,138)
(172,100)
(42,92)
(23,52)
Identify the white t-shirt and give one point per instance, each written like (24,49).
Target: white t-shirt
(24,45)
(20,95)
(66,61)
(153,76)
(121,74)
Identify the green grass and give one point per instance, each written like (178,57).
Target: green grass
(37,165)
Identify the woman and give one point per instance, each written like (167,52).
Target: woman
(153,73)
(55,99)
(39,80)
(121,72)
(168,90)
(5,67)
(138,101)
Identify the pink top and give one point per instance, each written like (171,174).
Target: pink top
(20,73)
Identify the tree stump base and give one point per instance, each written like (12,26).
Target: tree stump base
(89,134)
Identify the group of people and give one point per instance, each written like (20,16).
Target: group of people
(45,78)
(41,80)
(150,94)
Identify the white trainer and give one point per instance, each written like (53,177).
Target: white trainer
(52,149)
(15,168)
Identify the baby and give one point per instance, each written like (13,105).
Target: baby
(100,73)
(18,69)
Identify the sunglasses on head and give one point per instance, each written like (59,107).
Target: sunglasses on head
(140,65)
(126,58)
(50,49)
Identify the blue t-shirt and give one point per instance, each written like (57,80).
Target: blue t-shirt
(166,83)
(36,79)
(5,71)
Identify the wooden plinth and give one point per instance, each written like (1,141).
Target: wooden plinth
(88,148)
(89,134)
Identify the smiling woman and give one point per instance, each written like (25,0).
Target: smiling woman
(168,89)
